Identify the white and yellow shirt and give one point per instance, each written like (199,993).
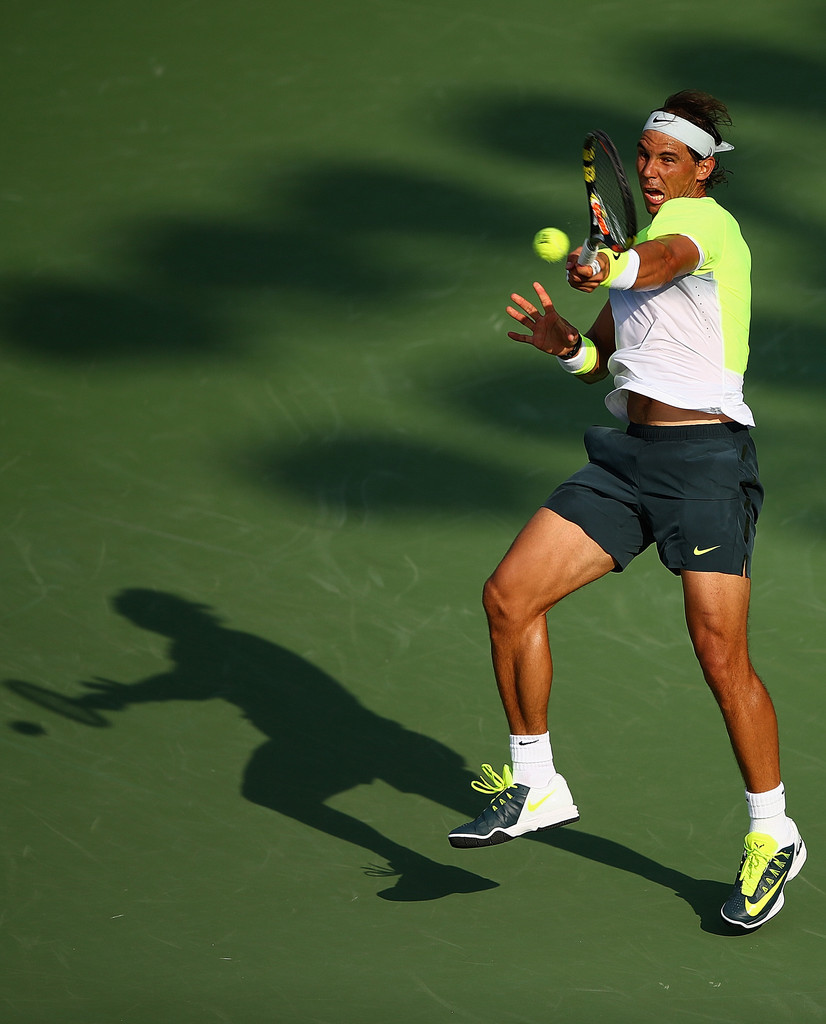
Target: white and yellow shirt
(687,343)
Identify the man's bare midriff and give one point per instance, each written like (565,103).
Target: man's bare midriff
(652,413)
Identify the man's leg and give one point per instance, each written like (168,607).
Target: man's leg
(549,559)
(716,607)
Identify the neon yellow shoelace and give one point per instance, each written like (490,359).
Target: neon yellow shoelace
(492,783)
(758,863)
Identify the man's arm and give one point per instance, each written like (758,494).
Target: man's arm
(661,260)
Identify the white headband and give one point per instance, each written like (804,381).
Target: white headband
(702,142)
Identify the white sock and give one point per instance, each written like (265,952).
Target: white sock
(533,760)
(767,814)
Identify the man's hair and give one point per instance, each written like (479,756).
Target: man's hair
(707,113)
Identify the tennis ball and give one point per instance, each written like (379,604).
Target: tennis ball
(551,244)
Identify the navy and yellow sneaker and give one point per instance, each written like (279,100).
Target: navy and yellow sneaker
(514,810)
(764,870)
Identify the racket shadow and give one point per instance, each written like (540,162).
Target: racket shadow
(76,709)
(289,700)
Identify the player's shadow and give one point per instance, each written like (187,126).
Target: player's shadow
(294,704)
(320,741)
(705,896)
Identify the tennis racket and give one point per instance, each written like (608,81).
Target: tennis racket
(611,209)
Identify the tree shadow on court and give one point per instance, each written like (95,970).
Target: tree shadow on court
(72,320)
(520,391)
(290,701)
(175,289)
(370,476)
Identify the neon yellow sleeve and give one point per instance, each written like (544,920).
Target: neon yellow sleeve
(709,226)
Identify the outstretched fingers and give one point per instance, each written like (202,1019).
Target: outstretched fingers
(528,307)
(548,331)
(527,314)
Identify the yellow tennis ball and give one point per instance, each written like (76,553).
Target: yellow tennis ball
(551,244)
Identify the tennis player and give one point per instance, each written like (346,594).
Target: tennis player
(682,475)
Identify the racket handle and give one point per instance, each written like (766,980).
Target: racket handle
(588,256)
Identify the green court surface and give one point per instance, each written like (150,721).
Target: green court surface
(264,436)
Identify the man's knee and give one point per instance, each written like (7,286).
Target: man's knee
(493,600)
(714,655)
(503,604)
(727,669)
(508,604)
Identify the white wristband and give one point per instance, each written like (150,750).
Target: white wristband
(584,361)
(629,273)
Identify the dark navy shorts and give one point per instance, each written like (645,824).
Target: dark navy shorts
(695,491)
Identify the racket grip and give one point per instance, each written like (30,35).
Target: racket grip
(588,256)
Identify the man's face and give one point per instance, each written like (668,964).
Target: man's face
(666,170)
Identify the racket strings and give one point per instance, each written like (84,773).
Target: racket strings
(614,208)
